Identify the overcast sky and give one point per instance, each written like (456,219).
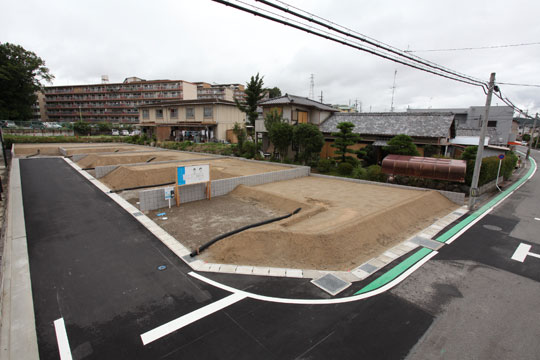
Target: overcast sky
(201,40)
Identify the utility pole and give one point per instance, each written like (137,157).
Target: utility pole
(531,139)
(478,163)
(393,91)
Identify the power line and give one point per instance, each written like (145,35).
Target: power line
(513,84)
(353,34)
(328,36)
(475,48)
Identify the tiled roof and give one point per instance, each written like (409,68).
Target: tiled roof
(293,99)
(390,124)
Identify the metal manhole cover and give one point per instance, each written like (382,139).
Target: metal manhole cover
(331,284)
(138,213)
(492,227)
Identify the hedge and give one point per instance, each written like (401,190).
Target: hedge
(490,165)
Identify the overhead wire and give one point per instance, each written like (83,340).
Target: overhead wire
(377,48)
(342,41)
(475,48)
(353,34)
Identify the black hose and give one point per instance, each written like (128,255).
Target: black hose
(89,168)
(142,187)
(216,239)
(150,159)
(29,156)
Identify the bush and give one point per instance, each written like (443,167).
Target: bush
(249,149)
(490,166)
(374,173)
(325,165)
(81,128)
(345,168)
(359,173)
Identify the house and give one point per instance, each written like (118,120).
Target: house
(469,122)
(196,120)
(295,110)
(377,129)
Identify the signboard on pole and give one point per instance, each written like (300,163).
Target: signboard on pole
(193,174)
(186,175)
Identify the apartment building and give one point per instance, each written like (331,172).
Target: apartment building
(111,102)
(227,92)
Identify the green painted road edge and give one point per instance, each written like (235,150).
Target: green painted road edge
(420,254)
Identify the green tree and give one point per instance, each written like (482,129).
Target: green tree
(81,128)
(274,92)
(526,137)
(368,154)
(280,135)
(401,145)
(272,117)
(240,131)
(344,138)
(21,73)
(469,153)
(254,93)
(104,127)
(309,140)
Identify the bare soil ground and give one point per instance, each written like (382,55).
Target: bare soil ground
(93,160)
(341,225)
(146,175)
(53,148)
(110,148)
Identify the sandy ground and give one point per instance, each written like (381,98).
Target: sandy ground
(93,160)
(110,148)
(341,224)
(146,175)
(53,149)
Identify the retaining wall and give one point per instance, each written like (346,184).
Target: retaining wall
(456,197)
(155,198)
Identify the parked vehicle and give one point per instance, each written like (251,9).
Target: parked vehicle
(125,133)
(115,132)
(136,132)
(8,124)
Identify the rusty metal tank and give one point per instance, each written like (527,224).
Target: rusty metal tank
(425,167)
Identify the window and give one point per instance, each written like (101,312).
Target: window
(492,123)
(174,113)
(190,113)
(145,114)
(208,111)
(159,113)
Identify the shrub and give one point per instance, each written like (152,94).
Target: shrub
(359,173)
(490,166)
(249,149)
(345,168)
(374,173)
(325,165)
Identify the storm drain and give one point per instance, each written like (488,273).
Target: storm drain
(427,243)
(138,213)
(367,267)
(331,284)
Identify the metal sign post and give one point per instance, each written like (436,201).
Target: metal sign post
(501,157)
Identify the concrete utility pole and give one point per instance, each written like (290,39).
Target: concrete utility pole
(531,139)
(478,163)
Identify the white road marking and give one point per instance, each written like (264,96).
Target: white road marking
(62,339)
(522,251)
(352,298)
(193,316)
(537,219)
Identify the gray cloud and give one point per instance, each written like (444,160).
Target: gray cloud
(206,41)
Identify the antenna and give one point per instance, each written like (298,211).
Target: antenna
(311,86)
(393,91)
(104,79)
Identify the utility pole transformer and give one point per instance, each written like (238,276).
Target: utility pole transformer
(479,153)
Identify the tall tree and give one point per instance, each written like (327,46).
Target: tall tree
(401,145)
(309,141)
(280,135)
(21,73)
(254,93)
(274,92)
(344,138)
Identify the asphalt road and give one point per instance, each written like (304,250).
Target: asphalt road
(96,267)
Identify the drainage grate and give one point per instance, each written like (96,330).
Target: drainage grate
(427,243)
(368,268)
(138,213)
(189,259)
(331,284)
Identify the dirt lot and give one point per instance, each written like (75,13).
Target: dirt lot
(93,160)
(146,175)
(53,149)
(341,225)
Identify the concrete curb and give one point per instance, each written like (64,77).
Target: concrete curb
(18,338)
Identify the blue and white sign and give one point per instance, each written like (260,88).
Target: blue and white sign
(186,175)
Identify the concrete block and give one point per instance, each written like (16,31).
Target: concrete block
(257,270)
(294,273)
(248,270)
(228,268)
(276,272)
